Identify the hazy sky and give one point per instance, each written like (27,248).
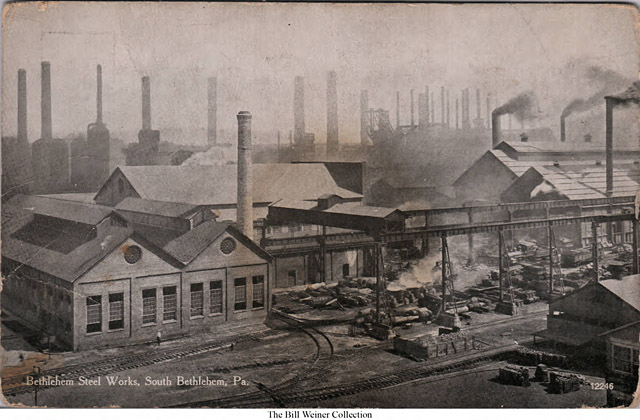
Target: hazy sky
(257,49)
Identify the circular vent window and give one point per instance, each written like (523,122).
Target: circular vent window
(227,246)
(133,254)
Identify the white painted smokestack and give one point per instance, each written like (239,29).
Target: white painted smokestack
(244,197)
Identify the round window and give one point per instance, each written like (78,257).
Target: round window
(133,254)
(227,246)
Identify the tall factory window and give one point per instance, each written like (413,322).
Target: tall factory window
(149,306)
(345,270)
(116,311)
(240,294)
(215,295)
(94,314)
(170,303)
(622,359)
(120,186)
(258,292)
(197,300)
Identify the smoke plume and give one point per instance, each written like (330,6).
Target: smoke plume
(522,106)
(608,82)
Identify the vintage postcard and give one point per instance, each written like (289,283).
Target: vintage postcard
(320,206)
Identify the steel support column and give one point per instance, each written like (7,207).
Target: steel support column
(634,224)
(550,235)
(500,263)
(444,270)
(594,238)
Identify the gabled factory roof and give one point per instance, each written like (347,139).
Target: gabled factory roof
(89,214)
(160,208)
(557,147)
(627,289)
(192,243)
(217,184)
(73,251)
(56,257)
(578,182)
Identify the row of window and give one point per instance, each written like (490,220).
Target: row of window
(170,303)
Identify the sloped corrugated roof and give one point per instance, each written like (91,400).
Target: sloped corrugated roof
(627,289)
(577,182)
(216,184)
(161,208)
(186,247)
(90,214)
(360,210)
(516,166)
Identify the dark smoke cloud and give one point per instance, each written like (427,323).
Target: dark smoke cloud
(608,81)
(522,106)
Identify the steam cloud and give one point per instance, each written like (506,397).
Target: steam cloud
(522,106)
(609,81)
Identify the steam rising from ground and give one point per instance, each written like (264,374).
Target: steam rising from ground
(216,155)
(423,273)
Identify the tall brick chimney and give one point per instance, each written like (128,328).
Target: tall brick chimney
(332,112)
(45,102)
(22,106)
(212,111)
(244,195)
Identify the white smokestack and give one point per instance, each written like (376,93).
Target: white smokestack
(244,196)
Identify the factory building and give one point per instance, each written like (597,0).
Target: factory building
(562,181)
(601,320)
(491,175)
(214,186)
(94,277)
(213,189)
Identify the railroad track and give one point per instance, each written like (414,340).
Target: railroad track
(15,385)
(287,397)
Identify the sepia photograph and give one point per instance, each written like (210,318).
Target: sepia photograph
(314,210)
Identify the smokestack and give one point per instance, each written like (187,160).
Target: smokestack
(298,110)
(442,113)
(609,104)
(433,112)
(457,112)
(488,112)
(478,104)
(212,111)
(99,95)
(332,112)
(562,129)
(364,108)
(495,131)
(22,106)
(422,120)
(412,118)
(397,108)
(244,196)
(426,100)
(146,103)
(448,111)
(45,102)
